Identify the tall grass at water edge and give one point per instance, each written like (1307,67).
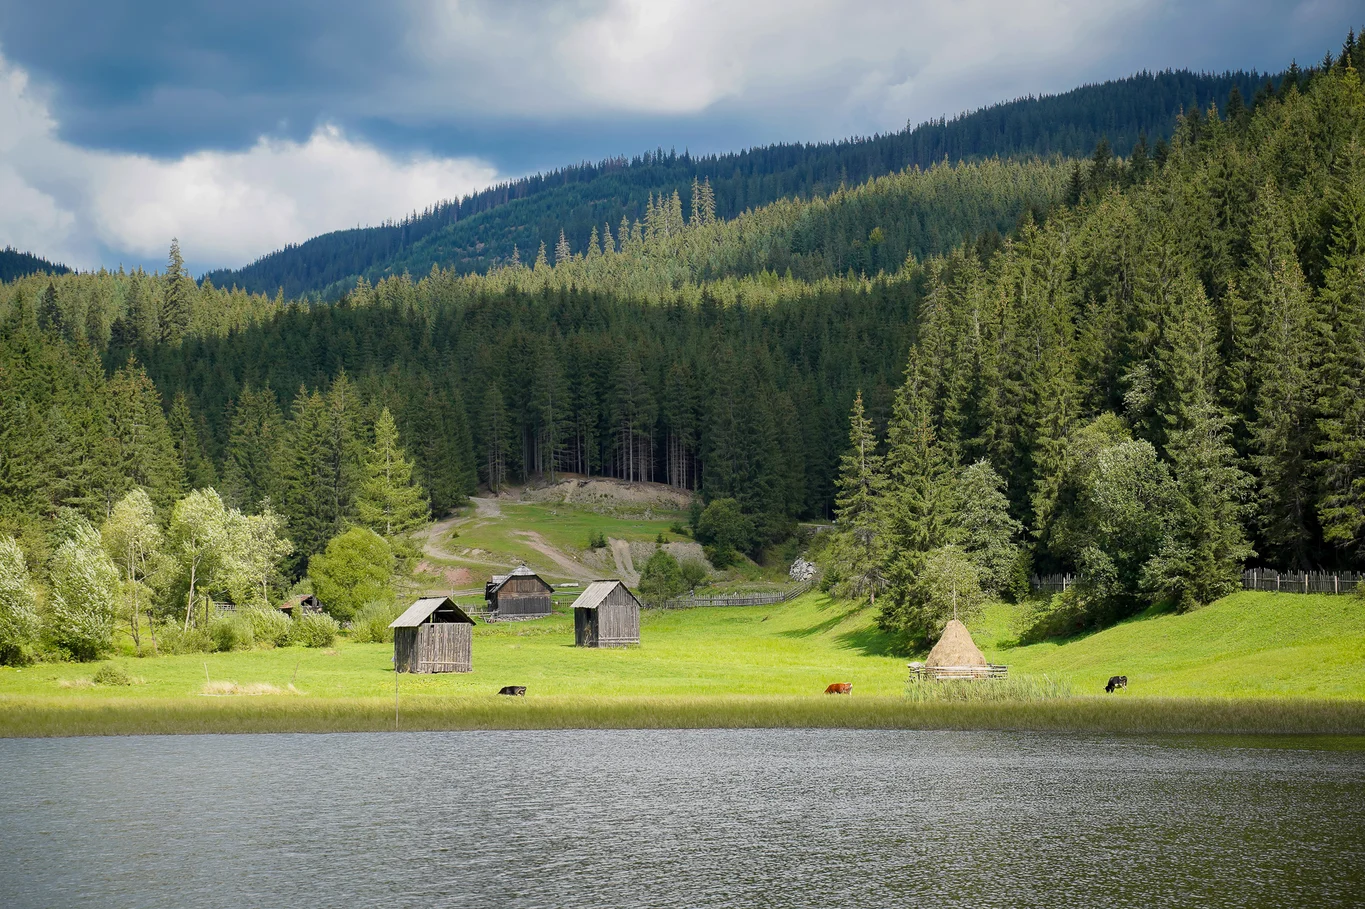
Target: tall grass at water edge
(46,716)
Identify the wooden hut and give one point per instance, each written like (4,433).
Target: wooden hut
(956,656)
(305,602)
(433,635)
(606,614)
(519,594)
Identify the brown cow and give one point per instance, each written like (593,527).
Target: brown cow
(840,688)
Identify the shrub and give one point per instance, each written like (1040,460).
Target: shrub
(18,610)
(597,540)
(371,623)
(355,568)
(679,528)
(662,577)
(314,630)
(694,574)
(269,626)
(112,674)
(173,638)
(84,596)
(231,632)
(724,531)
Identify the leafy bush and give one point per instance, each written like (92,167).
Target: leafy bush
(172,638)
(371,623)
(18,611)
(662,577)
(112,674)
(724,531)
(694,574)
(679,528)
(84,596)
(597,540)
(231,632)
(269,626)
(314,630)
(356,568)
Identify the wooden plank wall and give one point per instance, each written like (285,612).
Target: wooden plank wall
(442,647)
(618,619)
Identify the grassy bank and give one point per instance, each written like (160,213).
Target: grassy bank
(37,717)
(1251,662)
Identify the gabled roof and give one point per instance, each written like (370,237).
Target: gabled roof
(422,610)
(521,571)
(593,595)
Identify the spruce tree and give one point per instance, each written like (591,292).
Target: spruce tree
(145,450)
(858,554)
(1341,381)
(389,502)
(1283,433)
(189,451)
(255,435)
(177,307)
(917,508)
(1202,556)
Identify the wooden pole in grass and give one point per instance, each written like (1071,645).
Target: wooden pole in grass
(395,695)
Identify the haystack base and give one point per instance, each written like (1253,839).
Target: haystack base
(921,673)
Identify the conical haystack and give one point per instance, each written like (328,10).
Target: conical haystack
(955,648)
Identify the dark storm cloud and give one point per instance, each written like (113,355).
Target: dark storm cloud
(166,78)
(170,77)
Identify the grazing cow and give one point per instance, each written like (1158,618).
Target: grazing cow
(840,688)
(1116,682)
(514,690)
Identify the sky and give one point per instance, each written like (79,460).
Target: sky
(242,127)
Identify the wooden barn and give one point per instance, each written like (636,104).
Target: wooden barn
(519,594)
(433,635)
(307,603)
(606,614)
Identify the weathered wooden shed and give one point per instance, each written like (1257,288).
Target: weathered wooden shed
(606,614)
(305,601)
(519,594)
(433,635)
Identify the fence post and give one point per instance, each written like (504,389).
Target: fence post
(1336,583)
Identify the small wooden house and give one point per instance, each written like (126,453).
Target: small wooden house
(433,635)
(305,602)
(606,614)
(519,594)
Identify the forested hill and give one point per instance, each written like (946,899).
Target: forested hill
(475,233)
(15,264)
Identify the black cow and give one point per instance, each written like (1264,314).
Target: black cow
(1116,682)
(514,690)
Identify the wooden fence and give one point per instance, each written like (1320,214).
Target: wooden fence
(1252,579)
(1051,583)
(1300,581)
(757,599)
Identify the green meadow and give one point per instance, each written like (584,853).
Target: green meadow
(1250,662)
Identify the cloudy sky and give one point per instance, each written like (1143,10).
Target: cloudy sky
(242,126)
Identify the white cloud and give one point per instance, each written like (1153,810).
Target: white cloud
(227,208)
(871,65)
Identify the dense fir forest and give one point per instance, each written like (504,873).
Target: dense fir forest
(1141,370)
(483,230)
(15,264)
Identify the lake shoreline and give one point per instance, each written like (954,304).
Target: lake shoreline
(47,717)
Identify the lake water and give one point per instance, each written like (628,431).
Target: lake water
(681,819)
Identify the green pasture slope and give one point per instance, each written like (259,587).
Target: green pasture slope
(1251,662)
